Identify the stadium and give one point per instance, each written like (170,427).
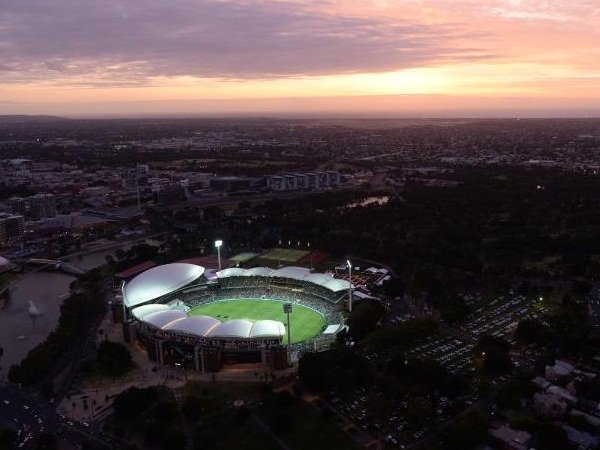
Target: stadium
(200,319)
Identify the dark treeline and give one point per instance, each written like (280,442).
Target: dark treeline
(497,222)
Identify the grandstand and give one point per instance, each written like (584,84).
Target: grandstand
(204,321)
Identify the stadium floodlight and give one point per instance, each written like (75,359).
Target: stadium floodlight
(287,309)
(218,244)
(349,264)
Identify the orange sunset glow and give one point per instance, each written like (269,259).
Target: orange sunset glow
(482,58)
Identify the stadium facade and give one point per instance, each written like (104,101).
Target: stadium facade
(156,303)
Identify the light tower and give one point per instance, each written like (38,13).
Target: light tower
(287,309)
(349,264)
(218,244)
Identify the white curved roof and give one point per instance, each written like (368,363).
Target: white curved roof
(237,328)
(335,285)
(318,278)
(159,281)
(4,262)
(267,328)
(142,311)
(258,271)
(231,272)
(162,318)
(297,273)
(196,325)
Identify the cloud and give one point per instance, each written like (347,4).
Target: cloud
(136,42)
(558,11)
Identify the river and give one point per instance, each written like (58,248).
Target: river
(20,331)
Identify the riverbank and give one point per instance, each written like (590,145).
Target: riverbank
(19,332)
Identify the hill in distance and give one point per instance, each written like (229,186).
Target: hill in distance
(27,118)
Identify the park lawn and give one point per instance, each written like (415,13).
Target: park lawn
(308,428)
(305,323)
(285,254)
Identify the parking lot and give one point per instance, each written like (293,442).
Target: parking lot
(500,316)
(452,353)
(451,346)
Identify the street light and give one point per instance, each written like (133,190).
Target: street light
(218,244)
(349,264)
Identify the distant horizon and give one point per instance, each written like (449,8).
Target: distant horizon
(315,115)
(374,107)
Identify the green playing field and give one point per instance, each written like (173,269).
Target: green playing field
(285,254)
(305,322)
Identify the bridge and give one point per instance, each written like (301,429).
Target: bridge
(51,264)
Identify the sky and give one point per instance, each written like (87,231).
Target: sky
(327,57)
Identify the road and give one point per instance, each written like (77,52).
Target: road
(196,202)
(31,415)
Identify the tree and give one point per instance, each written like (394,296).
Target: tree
(379,406)
(339,367)
(113,359)
(467,433)
(419,411)
(495,350)
(165,412)
(403,335)
(192,407)
(364,318)
(281,421)
(48,389)
(551,437)
(46,441)
(454,309)
(7,436)
(531,331)
(394,287)
(133,402)
(510,394)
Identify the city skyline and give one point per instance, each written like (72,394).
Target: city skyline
(352,57)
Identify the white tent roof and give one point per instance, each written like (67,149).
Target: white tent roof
(297,273)
(318,278)
(159,281)
(238,328)
(196,325)
(231,272)
(206,326)
(335,285)
(142,311)
(258,271)
(332,329)
(4,261)
(267,328)
(162,318)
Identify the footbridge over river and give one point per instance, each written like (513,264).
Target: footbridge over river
(51,264)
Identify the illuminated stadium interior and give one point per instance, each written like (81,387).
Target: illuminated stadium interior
(234,310)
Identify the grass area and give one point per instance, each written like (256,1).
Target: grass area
(240,433)
(243,257)
(298,424)
(307,426)
(259,261)
(305,323)
(285,254)
(6,278)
